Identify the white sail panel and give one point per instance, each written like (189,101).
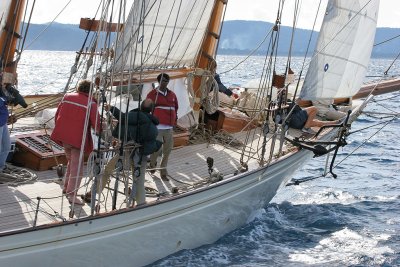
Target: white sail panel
(4,9)
(163,33)
(343,50)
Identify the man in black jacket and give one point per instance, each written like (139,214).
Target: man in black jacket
(141,128)
(221,87)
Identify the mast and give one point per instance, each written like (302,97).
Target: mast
(209,47)
(9,38)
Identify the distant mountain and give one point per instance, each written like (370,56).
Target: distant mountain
(238,37)
(390,48)
(55,37)
(242,37)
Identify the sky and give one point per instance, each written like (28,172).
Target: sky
(262,10)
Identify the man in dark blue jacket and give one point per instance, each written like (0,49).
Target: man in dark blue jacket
(5,143)
(221,87)
(8,95)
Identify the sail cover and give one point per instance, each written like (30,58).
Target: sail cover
(162,34)
(343,50)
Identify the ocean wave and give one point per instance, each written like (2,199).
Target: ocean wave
(344,247)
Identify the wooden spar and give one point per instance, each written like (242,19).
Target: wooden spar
(383,87)
(147,76)
(98,25)
(208,49)
(379,88)
(9,37)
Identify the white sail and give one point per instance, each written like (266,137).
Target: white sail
(4,9)
(163,34)
(343,50)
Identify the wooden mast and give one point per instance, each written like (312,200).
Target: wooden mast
(210,44)
(8,40)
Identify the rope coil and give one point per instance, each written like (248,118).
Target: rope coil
(13,176)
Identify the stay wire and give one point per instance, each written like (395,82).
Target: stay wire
(366,140)
(171,43)
(302,180)
(251,53)
(21,44)
(221,26)
(335,36)
(305,55)
(267,70)
(395,112)
(4,56)
(294,26)
(385,123)
(387,40)
(372,126)
(48,25)
(388,98)
(391,65)
(190,15)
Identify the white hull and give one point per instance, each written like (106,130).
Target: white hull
(141,236)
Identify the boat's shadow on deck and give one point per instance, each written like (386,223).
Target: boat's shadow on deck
(21,210)
(12,214)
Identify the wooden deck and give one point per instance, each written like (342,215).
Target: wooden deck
(187,169)
(42,202)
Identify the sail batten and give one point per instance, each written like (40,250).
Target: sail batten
(343,50)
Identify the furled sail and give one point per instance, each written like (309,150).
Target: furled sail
(343,50)
(162,34)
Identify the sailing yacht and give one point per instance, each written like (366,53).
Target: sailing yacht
(238,157)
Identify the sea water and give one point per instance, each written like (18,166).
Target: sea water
(353,220)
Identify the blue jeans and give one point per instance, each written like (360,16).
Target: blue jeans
(5,145)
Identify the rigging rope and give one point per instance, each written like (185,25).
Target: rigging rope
(14,176)
(379,123)
(305,55)
(10,34)
(387,40)
(264,97)
(21,45)
(334,37)
(385,123)
(48,25)
(388,98)
(379,104)
(251,53)
(366,140)
(387,70)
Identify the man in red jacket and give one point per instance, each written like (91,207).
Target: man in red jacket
(166,110)
(72,131)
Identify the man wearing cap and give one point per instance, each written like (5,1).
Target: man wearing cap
(165,109)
